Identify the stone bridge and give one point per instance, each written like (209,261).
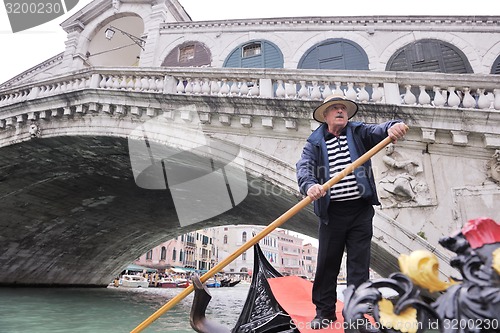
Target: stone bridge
(93,162)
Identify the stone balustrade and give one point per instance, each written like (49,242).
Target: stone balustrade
(468,91)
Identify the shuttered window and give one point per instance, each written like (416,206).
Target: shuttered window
(495,69)
(255,54)
(335,54)
(429,55)
(188,54)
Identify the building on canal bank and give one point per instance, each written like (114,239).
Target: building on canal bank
(288,253)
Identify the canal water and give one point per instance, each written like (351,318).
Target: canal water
(109,310)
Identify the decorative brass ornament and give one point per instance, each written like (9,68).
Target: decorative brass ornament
(422,268)
(470,306)
(496,260)
(405,322)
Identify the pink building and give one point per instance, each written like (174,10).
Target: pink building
(290,253)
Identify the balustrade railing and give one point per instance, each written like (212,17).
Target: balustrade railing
(467,91)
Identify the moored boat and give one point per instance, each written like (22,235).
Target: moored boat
(167,283)
(213,283)
(133,281)
(229,283)
(233,283)
(182,283)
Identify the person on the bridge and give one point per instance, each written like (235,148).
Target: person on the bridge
(346,210)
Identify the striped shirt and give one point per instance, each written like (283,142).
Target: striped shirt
(339,157)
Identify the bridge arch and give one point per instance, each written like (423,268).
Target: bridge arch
(89,210)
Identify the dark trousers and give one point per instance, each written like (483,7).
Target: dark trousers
(349,227)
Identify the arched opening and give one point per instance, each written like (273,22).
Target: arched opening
(188,54)
(121,48)
(495,69)
(255,54)
(335,53)
(429,55)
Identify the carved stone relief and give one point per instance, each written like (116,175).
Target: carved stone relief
(116,5)
(404,182)
(493,167)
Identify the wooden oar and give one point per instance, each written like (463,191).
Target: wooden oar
(275,224)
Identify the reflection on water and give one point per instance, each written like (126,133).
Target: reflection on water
(108,310)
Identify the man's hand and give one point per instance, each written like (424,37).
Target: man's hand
(397,131)
(315,192)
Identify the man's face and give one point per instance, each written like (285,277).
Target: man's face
(336,115)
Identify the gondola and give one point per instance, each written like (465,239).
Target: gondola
(267,308)
(261,312)
(229,283)
(233,283)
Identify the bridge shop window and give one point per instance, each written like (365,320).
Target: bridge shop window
(336,53)
(188,54)
(255,54)
(429,55)
(495,69)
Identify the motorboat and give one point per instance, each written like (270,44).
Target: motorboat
(213,283)
(167,283)
(134,281)
(182,283)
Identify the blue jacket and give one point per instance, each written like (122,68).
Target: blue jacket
(312,168)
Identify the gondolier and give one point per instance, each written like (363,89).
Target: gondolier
(345,210)
(358,163)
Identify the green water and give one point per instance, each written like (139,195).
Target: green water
(108,310)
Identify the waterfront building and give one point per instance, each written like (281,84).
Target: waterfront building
(194,251)
(309,256)
(166,255)
(228,240)
(290,253)
(203,249)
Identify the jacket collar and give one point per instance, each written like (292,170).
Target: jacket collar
(319,133)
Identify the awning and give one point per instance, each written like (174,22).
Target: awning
(190,269)
(139,268)
(177,270)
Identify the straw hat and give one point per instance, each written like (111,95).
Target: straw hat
(351,107)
